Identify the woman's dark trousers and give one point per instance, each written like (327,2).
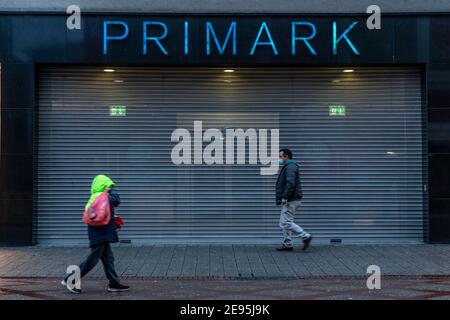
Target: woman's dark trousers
(102,251)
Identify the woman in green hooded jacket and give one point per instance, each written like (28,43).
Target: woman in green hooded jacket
(100,238)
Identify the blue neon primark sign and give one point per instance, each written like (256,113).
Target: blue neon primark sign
(156,37)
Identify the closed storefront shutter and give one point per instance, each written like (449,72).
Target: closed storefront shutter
(356,135)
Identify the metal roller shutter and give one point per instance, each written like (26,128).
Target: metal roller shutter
(362,162)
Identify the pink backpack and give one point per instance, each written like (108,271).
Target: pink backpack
(99,212)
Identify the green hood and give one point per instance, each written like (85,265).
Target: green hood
(99,184)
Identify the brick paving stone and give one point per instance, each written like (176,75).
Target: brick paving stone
(202,268)
(319,266)
(133,265)
(340,266)
(283,263)
(46,260)
(176,265)
(190,261)
(164,261)
(150,260)
(11,262)
(216,263)
(322,261)
(123,257)
(229,262)
(68,257)
(255,262)
(349,263)
(242,261)
(296,263)
(268,261)
(29,261)
(5,255)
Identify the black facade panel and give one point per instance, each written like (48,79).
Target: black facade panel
(439,225)
(15,180)
(17,85)
(439,171)
(439,131)
(438,96)
(16,163)
(15,224)
(439,39)
(410,39)
(17,131)
(438,78)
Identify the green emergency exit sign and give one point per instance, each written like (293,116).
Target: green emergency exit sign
(117,111)
(337,110)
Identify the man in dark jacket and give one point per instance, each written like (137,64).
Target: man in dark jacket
(100,238)
(289,196)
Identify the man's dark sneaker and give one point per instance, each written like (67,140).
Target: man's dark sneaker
(285,248)
(306,243)
(118,288)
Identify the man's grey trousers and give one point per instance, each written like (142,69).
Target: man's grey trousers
(291,229)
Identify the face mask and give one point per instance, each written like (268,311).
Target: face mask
(281,162)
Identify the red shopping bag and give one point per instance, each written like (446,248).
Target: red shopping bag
(99,212)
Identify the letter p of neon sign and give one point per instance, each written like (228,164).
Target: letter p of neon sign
(107,37)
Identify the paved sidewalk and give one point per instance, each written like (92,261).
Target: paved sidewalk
(233,261)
